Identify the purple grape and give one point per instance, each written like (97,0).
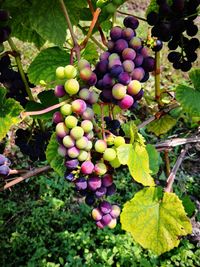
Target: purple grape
(145,78)
(81,184)
(4,170)
(111,190)
(128,53)
(114,62)
(138,60)
(69,176)
(116,70)
(128,65)
(148,64)
(94,183)
(157,46)
(128,33)
(110,45)
(72,164)
(106,219)
(138,74)
(92,80)
(105,207)
(100,225)
(87,167)
(124,78)
(115,33)
(57,117)
(139,95)
(2,159)
(102,66)
(4,15)
(105,55)
(107,180)
(99,84)
(106,96)
(135,43)
(131,22)
(90,199)
(100,192)
(108,81)
(144,52)
(59,91)
(120,45)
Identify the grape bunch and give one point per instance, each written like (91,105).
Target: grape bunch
(12,80)
(88,159)
(123,67)
(5,30)
(173,22)
(4,166)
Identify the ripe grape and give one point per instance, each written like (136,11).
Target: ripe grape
(124,78)
(126,102)
(105,207)
(128,53)
(72,164)
(115,33)
(115,211)
(4,170)
(128,34)
(120,45)
(59,91)
(2,159)
(135,43)
(100,192)
(81,183)
(131,22)
(107,180)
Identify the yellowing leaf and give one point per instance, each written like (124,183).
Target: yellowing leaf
(155,223)
(162,125)
(123,153)
(138,165)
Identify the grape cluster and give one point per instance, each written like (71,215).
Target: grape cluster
(171,23)
(12,80)
(88,159)
(123,68)
(5,30)
(4,166)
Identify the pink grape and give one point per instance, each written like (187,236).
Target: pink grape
(138,74)
(126,102)
(115,211)
(107,180)
(105,55)
(73,152)
(57,117)
(128,53)
(106,219)
(59,91)
(105,207)
(61,130)
(100,225)
(94,183)
(79,106)
(87,167)
(88,114)
(128,33)
(138,60)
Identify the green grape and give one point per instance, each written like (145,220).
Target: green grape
(1,48)
(109,154)
(87,126)
(119,140)
(118,2)
(82,142)
(77,132)
(68,141)
(71,86)
(83,155)
(110,8)
(66,109)
(71,121)
(60,72)
(115,163)
(100,146)
(70,72)
(89,146)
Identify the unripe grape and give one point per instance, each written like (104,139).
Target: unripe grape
(87,167)
(60,72)
(83,63)
(105,55)
(113,56)
(118,141)
(66,109)
(77,132)
(85,74)
(71,121)
(109,154)
(89,135)
(62,151)
(83,155)
(110,8)
(87,126)
(119,91)
(126,102)
(61,130)
(88,114)
(79,106)
(81,184)
(115,211)
(70,72)
(135,43)
(4,170)
(68,141)
(107,180)
(72,164)
(84,94)
(112,224)
(100,225)
(82,142)
(115,163)
(59,91)
(100,168)
(94,183)
(93,97)
(128,34)
(73,152)
(128,65)
(71,86)
(134,87)
(128,53)
(106,219)
(105,207)
(100,146)
(57,117)
(89,146)
(96,214)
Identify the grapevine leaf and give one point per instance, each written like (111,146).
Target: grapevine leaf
(97,110)
(54,159)
(153,158)
(189,99)
(188,205)
(138,164)
(45,63)
(155,223)
(90,53)
(123,153)
(161,125)
(195,78)
(47,99)
(9,113)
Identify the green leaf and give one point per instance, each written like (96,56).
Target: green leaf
(138,164)
(153,158)
(97,110)
(47,99)
(90,53)
(9,113)
(161,125)
(54,159)
(123,153)
(188,205)
(45,63)
(189,99)
(154,223)
(194,75)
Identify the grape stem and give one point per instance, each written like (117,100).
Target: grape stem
(102,121)
(171,177)
(167,162)
(76,47)
(157,79)
(43,111)
(25,176)
(128,14)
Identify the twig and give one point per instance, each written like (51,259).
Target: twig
(16,172)
(167,162)
(25,176)
(158,115)
(171,177)
(93,23)
(128,14)
(102,121)
(157,78)
(43,111)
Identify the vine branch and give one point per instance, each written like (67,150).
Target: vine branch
(128,14)
(157,78)
(25,176)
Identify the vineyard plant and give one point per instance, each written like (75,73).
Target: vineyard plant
(99,133)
